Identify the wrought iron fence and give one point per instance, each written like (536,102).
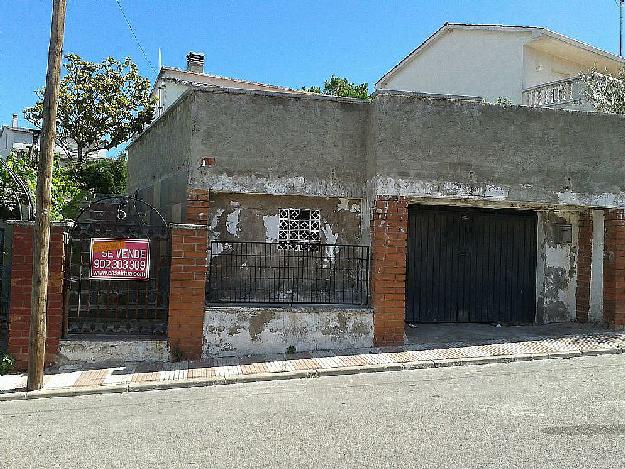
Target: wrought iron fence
(256,272)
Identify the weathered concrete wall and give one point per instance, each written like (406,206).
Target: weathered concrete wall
(246,217)
(112,351)
(461,149)
(159,159)
(235,330)
(596,283)
(279,144)
(556,277)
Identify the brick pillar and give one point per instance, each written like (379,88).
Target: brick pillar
(584,263)
(197,206)
(189,245)
(614,269)
(388,274)
(21,287)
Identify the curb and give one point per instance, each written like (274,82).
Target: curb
(289,375)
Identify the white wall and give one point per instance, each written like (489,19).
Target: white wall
(475,63)
(541,67)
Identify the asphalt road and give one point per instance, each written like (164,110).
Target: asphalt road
(543,414)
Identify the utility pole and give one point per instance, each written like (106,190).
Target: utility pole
(37,342)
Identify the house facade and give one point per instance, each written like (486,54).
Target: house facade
(526,65)
(333,222)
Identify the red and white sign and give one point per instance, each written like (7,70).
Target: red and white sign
(120,259)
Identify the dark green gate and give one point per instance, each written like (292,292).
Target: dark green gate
(471,265)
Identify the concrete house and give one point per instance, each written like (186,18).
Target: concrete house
(527,65)
(172,82)
(333,222)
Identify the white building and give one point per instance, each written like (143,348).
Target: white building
(14,138)
(523,64)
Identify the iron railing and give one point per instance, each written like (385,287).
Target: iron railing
(256,272)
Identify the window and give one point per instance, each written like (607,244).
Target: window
(299,228)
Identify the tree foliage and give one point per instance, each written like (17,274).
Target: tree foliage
(101,105)
(72,184)
(605,92)
(338,86)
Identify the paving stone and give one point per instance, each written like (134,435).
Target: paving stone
(60,380)
(201,373)
(378,358)
(12,382)
(280,366)
(92,377)
(254,368)
(172,375)
(146,377)
(119,375)
(228,370)
(353,360)
(328,362)
(304,364)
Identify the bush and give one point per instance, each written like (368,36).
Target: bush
(7,362)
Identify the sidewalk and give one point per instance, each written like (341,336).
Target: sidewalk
(145,376)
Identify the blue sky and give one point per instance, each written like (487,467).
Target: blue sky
(285,42)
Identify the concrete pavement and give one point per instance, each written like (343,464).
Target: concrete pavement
(540,414)
(484,346)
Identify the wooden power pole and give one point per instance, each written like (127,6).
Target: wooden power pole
(37,342)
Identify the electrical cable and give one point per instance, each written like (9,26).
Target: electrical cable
(134,35)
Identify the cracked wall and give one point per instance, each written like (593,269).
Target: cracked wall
(244,330)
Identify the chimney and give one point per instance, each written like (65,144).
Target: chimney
(195,62)
(14,121)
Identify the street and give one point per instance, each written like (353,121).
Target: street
(541,414)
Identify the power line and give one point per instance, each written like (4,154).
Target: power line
(134,35)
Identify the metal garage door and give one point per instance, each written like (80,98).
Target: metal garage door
(471,265)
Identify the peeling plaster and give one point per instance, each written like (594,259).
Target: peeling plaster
(277,185)
(272,227)
(234,330)
(348,205)
(110,351)
(402,187)
(232,222)
(523,193)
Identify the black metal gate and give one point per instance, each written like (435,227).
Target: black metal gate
(117,307)
(471,265)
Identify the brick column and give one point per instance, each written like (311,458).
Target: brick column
(614,269)
(388,273)
(21,288)
(584,264)
(197,206)
(189,245)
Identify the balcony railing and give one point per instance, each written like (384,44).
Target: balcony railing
(561,94)
(256,272)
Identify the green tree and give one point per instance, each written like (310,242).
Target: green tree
(338,86)
(72,184)
(101,105)
(604,91)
